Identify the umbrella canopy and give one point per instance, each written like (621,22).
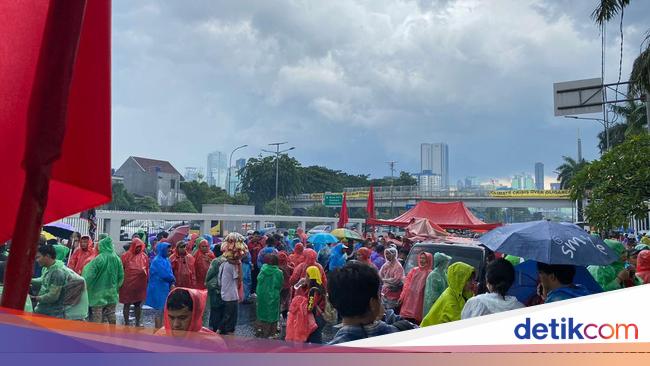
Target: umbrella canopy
(346,234)
(322,238)
(550,242)
(178,234)
(47,235)
(59,229)
(526,280)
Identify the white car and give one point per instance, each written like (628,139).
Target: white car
(320,229)
(148,226)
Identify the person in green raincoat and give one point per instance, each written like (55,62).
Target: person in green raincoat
(615,275)
(62,252)
(269,285)
(49,300)
(436,281)
(450,304)
(514,260)
(104,276)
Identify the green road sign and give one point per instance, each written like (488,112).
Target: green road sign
(333,200)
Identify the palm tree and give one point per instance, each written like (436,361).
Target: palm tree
(565,174)
(634,115)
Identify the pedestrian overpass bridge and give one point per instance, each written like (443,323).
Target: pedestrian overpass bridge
(407,196)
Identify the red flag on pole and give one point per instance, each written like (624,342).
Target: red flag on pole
(343,217)
(54,97)
(370,206)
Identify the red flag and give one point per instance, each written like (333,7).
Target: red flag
(370,206)
(343,217)
(55,97)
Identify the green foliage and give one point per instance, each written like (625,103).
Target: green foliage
(404,179)
(200,193)
(319,211)
(122,200)
(147,203)
(618,185)
(634,119)
(283,207)
(183,206)
(258,178)
(568,170)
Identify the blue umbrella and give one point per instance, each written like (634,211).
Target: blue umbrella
(321,239)
(59,229)
(526,280)
(550,242)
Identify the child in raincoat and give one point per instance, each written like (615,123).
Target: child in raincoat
(436,281)
(104,276)
(450,304)
(412,297)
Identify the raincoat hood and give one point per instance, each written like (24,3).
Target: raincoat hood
(199,298)
(106,246)
(313,273)
(364,254)
(104,275)
(643,261)
(441,260)
(427,263)
(135,243)
(616,246)
(283,259)
(310,256)
(457,275)
(394,252)
(162,249)
(299,248)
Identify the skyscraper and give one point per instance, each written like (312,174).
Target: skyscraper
(434,158)
(193,174)
(217,169)
(240,163)
(539,176)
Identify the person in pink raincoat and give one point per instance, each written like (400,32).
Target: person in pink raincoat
(412,296)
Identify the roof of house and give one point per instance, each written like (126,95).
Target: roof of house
(149,165)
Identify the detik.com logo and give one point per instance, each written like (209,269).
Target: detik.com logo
(568,328)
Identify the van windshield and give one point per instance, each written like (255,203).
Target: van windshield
(469,255)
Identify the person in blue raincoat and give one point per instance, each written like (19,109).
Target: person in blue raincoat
(161,280)
(247,278)
(337,257)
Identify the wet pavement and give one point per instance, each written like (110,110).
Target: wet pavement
(245,321)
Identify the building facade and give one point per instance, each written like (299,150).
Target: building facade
(193,174)
(217,169)
(539,176)
(429,182)
(434,159)
(153,178)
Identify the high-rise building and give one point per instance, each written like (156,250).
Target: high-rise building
(460,185)
(523,182)
(539,176)
(472,182)
(434,158)
(217,169)
(193,174)
(430,182)
(240,163)
(529,182)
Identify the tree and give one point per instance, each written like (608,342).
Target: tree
(404,179)
(200,193)
(634,116)
(617,185)
(122,199)
(319,211)
(567,171)
(148,204)
(258,179)
(283,207)
(183,206)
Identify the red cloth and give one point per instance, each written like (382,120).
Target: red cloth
(287,269)
(412,296)
(370,206)
(643,266)
(80,257)
(301,271)
(202,263)
(448,215)
(192,242)
(136,273)
(343,216)
(55,77)
(199,298)
(297,257)
(300,321)
(183,267)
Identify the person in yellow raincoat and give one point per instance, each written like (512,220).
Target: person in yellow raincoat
(450,304)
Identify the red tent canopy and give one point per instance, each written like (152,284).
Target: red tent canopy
(450,215)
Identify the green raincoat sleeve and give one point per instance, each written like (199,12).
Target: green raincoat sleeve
(606,277)
(450,304)
(104,275)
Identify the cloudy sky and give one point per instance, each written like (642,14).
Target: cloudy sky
(353,84)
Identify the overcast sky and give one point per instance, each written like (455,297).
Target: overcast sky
(353,84)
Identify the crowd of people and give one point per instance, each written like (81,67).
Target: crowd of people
(360,286)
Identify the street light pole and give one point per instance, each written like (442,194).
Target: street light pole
(602,122)
(392,177)
(230,165)
(277,153)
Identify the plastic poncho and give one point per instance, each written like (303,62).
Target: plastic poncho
(300,321)
(300,233)
(324,256)
(436,281)
(450,304)
(199,298)
(61,252)
(607,276)
(81,257)
(262,253)
(28,301)
(363,255)
(136,274)
(643,266)
(202,261)
(301,271)
(298,255)
(161,277)
(269,285)
(72,303)
(337,257)
(377,259)
(392,277)
(283,264)
(247,276)
(183,268)
(192,245)
(514,260)
(412,297)
(104,275)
